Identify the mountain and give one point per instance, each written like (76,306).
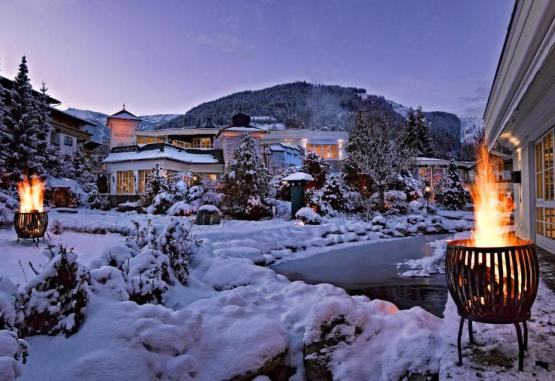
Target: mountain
(301,105)
(101,133)
(296,105)
(471,129)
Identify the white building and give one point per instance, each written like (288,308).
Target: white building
(203,151)
(520,116)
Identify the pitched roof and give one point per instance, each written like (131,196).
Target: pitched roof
(124,114)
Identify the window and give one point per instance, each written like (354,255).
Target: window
(325,151)
(68,141)
(125,182)
(144,175)
(202,143)
(149,139)
(543,160)
(545,222)
(180,143)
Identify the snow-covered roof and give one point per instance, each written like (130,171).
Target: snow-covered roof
(300,135)
(421,160)
(298,176)
(162,151)
(124,114)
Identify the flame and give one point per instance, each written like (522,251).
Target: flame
(489,211)
(31,195)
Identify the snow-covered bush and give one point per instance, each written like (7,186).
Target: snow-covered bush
(147,276)
(408,184)
(316,167)
(97,200)
(308,216)
(280,209)
(8,293)
(156,183)
(12,351)
(6,216)
(395,202)
(245,183)
(161,203)
(56,299)
(109,281)
(177,242)
(116,255)
(56,227)
(448,192)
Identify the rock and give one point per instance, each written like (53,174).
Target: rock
(274,369)
(208,215)
(317,353)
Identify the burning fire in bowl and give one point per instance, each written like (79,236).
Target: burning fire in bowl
(31,221)
(493,276)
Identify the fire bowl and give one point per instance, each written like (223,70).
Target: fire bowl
(495,285)
(30,225)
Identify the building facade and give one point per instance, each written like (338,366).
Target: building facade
(520,117)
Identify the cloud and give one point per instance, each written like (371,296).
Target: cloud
(474,104)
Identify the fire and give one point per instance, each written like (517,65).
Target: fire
(489,210)
(31,195)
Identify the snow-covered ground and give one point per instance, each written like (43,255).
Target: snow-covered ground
(235,318)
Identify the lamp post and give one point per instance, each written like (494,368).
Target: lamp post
(297,182)
(427,194)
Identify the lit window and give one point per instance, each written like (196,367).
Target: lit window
(202,143)
(326,151)
(125,182)
(143,178)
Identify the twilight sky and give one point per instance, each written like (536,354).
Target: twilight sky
(168,56)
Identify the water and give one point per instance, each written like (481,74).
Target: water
(371,270)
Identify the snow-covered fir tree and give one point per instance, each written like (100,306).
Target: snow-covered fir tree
(3,130)
(245,183)
(42,113)
(416,136)
(377,150)
(316,167)
(156,183)
(449,191)
(20,138)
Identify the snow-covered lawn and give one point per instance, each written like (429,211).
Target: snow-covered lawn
(238,319)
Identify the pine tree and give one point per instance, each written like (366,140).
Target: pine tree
(3,127)
(449,191)
(416,136)
(156,183)
(19,138)
(246,183)
(42,112)
(316,167)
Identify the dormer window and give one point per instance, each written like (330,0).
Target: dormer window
(68,141)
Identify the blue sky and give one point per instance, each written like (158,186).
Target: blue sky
(168,56)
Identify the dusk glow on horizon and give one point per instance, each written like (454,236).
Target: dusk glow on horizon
(169,56)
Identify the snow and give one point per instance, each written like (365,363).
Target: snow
(169,152)
(209,208)
(235,316)
(298,176)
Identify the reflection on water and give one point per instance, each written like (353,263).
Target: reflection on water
(371,270)
(430,297)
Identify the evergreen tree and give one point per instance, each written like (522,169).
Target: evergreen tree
(42,112)
(449,191)
(416,136)
(3,127)
(316,167)
(19,138)
(246,183)
(156,183)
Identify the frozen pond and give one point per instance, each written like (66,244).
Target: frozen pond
(371,270)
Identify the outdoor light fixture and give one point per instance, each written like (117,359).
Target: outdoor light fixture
(31,220)
(495,285)
(493,276)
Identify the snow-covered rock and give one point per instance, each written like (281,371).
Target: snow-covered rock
(308,216)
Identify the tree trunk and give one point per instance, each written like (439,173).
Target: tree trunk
(381,198)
